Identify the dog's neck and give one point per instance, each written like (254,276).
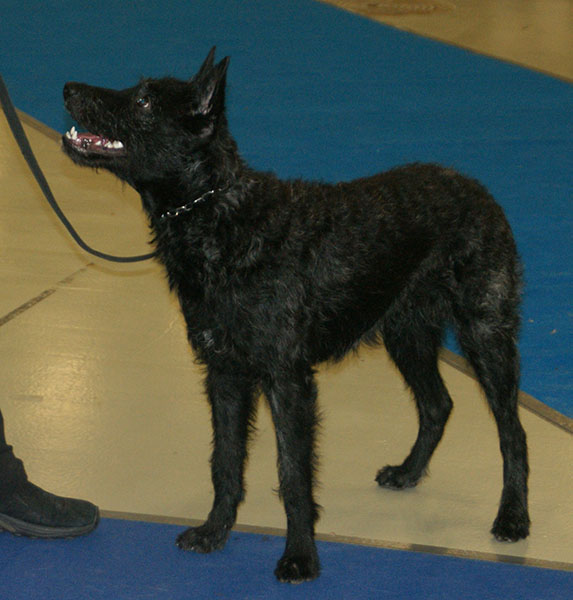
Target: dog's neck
(209,173)
(178,211)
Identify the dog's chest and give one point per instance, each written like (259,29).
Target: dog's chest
(206,340)
(216,323)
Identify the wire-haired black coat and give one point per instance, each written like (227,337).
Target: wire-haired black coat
(276,276)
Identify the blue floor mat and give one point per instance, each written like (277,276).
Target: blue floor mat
(131,560)
(320,93)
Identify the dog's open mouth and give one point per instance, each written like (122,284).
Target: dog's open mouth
(89,143)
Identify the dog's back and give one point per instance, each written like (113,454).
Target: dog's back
(328,261)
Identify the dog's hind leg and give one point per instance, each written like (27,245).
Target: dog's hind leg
(412,343)
(232,409)
(292,399)
(489,343)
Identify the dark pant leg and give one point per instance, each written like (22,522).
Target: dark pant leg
(11,468)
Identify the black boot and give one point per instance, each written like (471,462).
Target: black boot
(26,509)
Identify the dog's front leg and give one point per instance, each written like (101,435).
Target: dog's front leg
(232,407)
(292,401)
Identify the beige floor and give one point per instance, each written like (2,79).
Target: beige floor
(102,400)
(535,33)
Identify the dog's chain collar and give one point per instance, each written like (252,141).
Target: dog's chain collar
(180,210)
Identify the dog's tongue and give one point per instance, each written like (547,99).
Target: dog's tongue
(92,142)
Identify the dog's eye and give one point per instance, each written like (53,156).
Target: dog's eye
(143,102)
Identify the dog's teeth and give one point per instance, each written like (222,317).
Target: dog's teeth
(98,143)
(117,144)
(72,134)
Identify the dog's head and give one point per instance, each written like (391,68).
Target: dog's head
(150,131)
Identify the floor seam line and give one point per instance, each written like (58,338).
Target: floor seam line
(358,541)
(13,314)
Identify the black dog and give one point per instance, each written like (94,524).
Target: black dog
(276,276)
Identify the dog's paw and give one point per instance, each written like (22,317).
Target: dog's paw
(396,478)
(511,525)
(297,569)
(203,539)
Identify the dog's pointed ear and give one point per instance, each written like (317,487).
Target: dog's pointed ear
(212,89)
(207,64)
